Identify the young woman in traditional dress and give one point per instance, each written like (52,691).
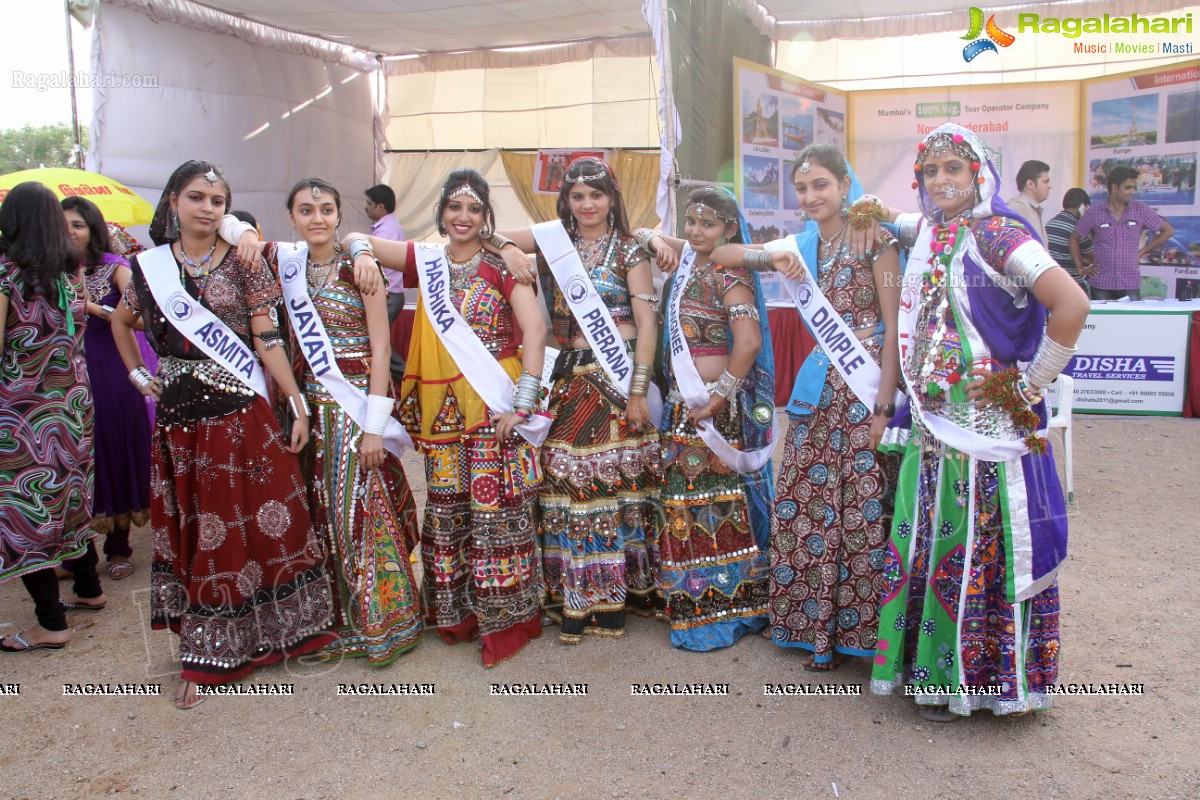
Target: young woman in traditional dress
(600,506)
(969,615)
(122,427)
(238,568)
(477,332)
(360,499)
(46,416)
(718,431)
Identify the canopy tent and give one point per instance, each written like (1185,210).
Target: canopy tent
(275,91)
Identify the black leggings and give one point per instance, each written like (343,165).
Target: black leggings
(43,588)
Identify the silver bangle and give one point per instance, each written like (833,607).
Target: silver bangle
(140,377)
(499,242)
(757,261)
(297,408)
(358,247)
(744,311)
(525,393)
(725,386)
(1048,362)
(643,237)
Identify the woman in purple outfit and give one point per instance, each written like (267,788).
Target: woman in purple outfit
(122,428)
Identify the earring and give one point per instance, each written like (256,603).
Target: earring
(610,219)
(295,237)
(845,205)
(485,232)
(441,228)
(172,230)
(574,225)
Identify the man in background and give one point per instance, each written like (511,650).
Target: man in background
(381,209)
(1033,185)
(1116,228)
(1059,230)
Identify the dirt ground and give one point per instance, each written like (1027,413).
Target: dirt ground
(1130,612)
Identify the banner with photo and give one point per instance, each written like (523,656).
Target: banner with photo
(551,166)
(776,116)
(1017,123)
(1150,121)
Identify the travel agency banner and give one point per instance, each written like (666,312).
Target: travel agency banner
(1017,123)
(776,116)
(1150,120)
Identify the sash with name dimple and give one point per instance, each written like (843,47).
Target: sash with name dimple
(199,325)
(596,323)
(318,349)
(476,362)
(692,387)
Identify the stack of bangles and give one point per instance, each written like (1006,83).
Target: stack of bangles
(758,261)
(726,386)
(866,212)
(639,385)
(362,247)
(526,394)
(1048,362)
(299,409)
(379,411)
(140,378)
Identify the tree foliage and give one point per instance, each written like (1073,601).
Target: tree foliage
(31,147)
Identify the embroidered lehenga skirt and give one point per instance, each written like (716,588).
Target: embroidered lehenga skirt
(712,573)
(600,507)
(238,568)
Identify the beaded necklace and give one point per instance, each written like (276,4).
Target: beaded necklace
(463,272)
(204,265)
(936,295)
(590,252)
(319,272)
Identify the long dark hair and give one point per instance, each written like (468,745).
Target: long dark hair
(33,233)
(478,184)
(99,242)
(598,175)
(723,204)
(180,178)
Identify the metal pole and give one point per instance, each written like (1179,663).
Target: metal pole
(71,85)
(671,120)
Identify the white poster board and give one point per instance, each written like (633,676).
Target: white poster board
(1131,358)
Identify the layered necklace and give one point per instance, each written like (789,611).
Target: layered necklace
(591,252)
(463,272)
(319,272)
(948,238)
(831,248)
(198,270)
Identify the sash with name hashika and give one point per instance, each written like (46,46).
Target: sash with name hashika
(199,325)
(477,364)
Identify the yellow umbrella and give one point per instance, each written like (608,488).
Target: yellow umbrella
(117,202)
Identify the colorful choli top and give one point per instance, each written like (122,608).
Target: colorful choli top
(609,275)
(194,386)
(344,315)
(848,282)
(437,402)
(40,357)
(702,312)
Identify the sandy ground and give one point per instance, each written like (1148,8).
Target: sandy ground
(1130,615)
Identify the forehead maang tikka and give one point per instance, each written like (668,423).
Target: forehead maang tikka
(941,144)
(316,192)
(465,189)
(210,177)
(584,177)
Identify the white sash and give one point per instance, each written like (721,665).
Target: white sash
(973,444)
(200,326)
(318,350)
(478,365)
(836,338)
(691,386)
(590,312)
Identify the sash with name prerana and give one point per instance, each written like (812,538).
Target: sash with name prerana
(692,388)
(834,336)
(477,364)
(318,349)
(199,325)
(589,310)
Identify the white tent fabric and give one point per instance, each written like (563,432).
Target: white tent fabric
(268,115)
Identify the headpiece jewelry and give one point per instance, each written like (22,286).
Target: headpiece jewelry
(805,166)
(938,145)
(210,177)
(316,192)
(467,190)
(584,177)
(700,208)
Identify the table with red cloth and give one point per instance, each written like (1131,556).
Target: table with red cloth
(792,343)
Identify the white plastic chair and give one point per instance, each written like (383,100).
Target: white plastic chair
(1060,396)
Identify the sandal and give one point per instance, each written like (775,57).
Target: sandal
(936,713)
(833,663)
(120,570)
(24,645)
(81,604)
(186,689)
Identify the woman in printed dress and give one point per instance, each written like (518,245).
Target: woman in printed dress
(360,499)
(712,564)
(45,416)
(122,427)
(238,569)
(479,547)
(969,615)
(600,505)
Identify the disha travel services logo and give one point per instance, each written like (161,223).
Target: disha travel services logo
(995,36)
